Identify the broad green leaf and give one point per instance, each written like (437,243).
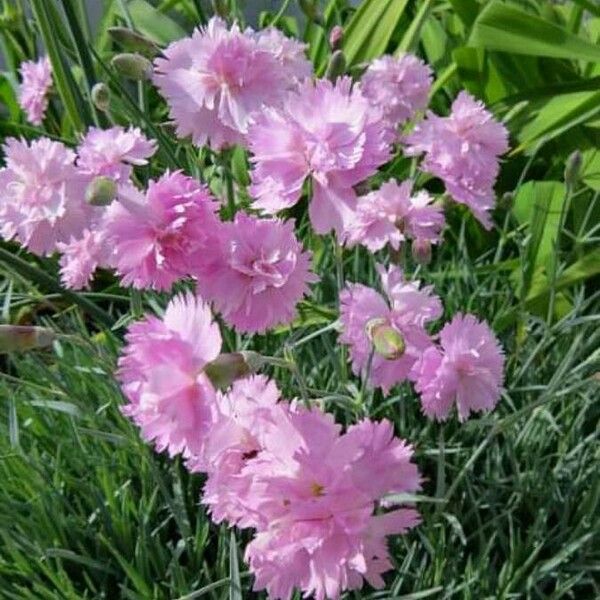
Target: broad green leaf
(590,169)
(8,97)
(371,28)
(478,74)
(466,10)
(159,27)
(508,29)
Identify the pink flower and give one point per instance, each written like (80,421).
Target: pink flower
(290,53)
(112,152)
(328,132)
(217,79)
(391,216)
(467,370)
(463,150)
(317,491)
(80,257)
(42,195)
(36,80)
(402,316)
(259,273)
(161,374)
(159,237)
(245,415)
(398,86)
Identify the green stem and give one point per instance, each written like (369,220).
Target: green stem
(280,14)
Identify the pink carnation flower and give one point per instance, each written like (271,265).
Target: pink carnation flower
(290,53)
(161,374)
(156,238)
(398,86)
(405,312)
(467,370)
(80,257)
(317,491)
(112,152)
(462,150)
(217,79)
(36,80)
(328,132)
(259,273)
(42,195)
(245,415)
(391,215)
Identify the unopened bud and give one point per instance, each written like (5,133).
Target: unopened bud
(226,368)
(336,66)
(132,40)
(101,191)
(387,340)
(132,66)
(19,338)
(507,199)
(310,9)
(101,96)
(573,167)
(421,251)
(220,7)
(335,37)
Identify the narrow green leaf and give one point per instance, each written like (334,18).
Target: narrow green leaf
(235,583)
(411,37)
(506,28)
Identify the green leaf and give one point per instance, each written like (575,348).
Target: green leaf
(371,28)
(155,25)
(410,39)
(590,168)
(508,29)
(235,583)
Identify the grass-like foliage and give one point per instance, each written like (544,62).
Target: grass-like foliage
(510,498)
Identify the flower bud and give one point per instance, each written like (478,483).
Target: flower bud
(421,251)
(18,338)
(336,66)
(335,37)
(226,368)
(101,191)
(220,8)
(386,339)
(132,40)
(310,9)
(572,168)
(132,66)
(101,96)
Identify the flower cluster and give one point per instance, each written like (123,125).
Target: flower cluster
(311,492)
(36,81)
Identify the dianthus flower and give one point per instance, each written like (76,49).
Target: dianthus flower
(36,80)
(466,370)
(80,257)
(161,374)
(462,150)
(245,415)
(399,86)
(258,275)
(42,195)
(215,80)
(317,491)
(327,132)
(391,215)
(290,53)
(113,152)
(156,237)
(400,318)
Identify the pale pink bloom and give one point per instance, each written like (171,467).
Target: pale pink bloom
(161,375)
(406,309)
(391,215)
(80,257)
(462,150)
(113,152)
(42,200)
(245,415)
(215,80)
(259,273)
(466,370)
(399,86)
(290,53)
(317,491)
(36,80)
(326,132)
(158,237)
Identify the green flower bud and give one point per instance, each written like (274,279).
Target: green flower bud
(132,40)
(336,66)
(132,66)
(573,168)
(387,341)
(226,368)
(19,338)
(101,191)
(101,96)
